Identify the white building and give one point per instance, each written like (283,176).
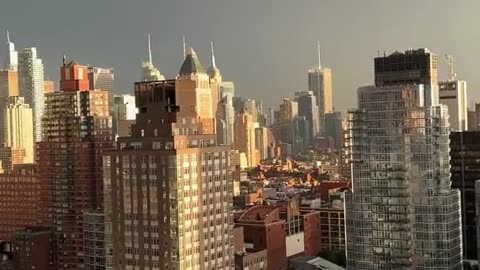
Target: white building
(401,212)
(125,108)
(454,95)
(31,85)
(226,112)
(11,55)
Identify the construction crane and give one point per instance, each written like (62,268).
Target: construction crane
(451,74)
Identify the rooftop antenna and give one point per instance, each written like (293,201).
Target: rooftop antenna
(319,59)
(451,74)
(149,50)
(184,48)
(214,65)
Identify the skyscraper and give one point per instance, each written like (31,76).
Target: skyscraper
(18,128)
(77,129)
(169,184)
(149,71)
(454,95)
(410,67)
(308,108)
(283,123)
(401,212)
(320,83)
(124,114)
(301,134)
(8,88)
(31,85)
(334,129)
(226,113)
(11,55)
(244,130)
(103,79)
(215,81)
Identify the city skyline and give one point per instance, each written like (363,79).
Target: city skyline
(121,45)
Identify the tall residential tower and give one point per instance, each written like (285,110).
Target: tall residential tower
(168,187)
(401,212)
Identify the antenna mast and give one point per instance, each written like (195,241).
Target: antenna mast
(451,74)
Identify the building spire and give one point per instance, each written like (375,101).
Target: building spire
(149,50)
(184,48)
(319,58)
(8,36)
(213,64)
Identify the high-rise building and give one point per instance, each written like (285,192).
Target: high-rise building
(320,83)
(11,55)
(264,142)
(226,114)
(454,95)
(18,128)
(307,107)
(77,128)
(215,81)
(465,170)
(410,67)
(124,114)
(31,85)
(149,71)
(8,88)
(103,79)
(74,77)
(401,212)
(334,129)
(301,134)
(48,87)
(177,210)
(283,124)
(244,130)
(251,107)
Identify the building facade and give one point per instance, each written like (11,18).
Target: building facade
(8,88)
(465,170)
(97,254)
(334,129)
(226,114)
(308,108)
(77,128)
(32,249)
(19,129)
(453,94)
(401,212)
(169,184)
(320,83)
(244,128)
(31,85)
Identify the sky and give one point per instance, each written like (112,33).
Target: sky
(264,46)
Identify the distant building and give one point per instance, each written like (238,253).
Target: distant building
(48,87)
(8,88)
(149,71)
(103,79)
(264,142)
(18,128)
(33,249)
(308,108)
(333,128)
(301,134)
(124,115)
(454,95)
(11,55)
(320,83)
(283,123)
(244,134)
(31,85)
(226,114)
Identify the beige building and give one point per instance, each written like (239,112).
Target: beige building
(244,134)
(8,88)
(18,128)
(168,190)
(49,87)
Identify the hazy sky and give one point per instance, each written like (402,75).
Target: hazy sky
(264,46)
